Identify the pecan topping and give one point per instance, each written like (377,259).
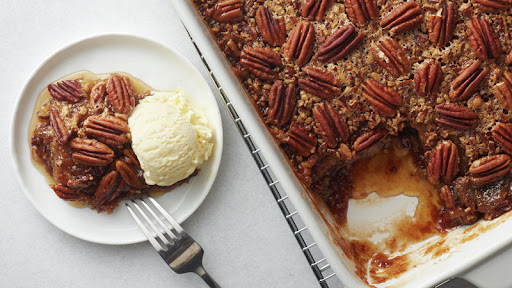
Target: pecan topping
(482,39)
(91,152)
(443,163)
(428,78)
(110,130)
(65,193)
(97,96)
(272,29)
(58,125)
(321,83)
(300,43)
(404,17)
(502,133)
(120,93)
(260,61)
(369,139)
(504,90)
(111,185)
(361,11)
(67,90)
(384,99)
(281,103)
(508,59)
(490,168)
(331,125)
(390,56)
(130,174)
(440,26)
(340,44)
(301,141)
(493,5)
(315,9)
(469,81)
(456,117)
(228,11)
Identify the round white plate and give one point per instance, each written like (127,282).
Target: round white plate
(153,63)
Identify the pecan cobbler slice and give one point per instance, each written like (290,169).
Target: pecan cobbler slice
(83,135)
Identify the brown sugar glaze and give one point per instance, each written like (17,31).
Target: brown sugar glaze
(54,159)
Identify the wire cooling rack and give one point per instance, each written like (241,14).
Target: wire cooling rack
(321,268)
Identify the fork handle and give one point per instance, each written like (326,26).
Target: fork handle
(206,277)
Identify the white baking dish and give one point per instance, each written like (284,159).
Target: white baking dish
(454,252)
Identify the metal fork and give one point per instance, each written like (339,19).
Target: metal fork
(175,246)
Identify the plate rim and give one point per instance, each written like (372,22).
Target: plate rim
(17,106)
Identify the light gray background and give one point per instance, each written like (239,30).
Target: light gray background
(247,241)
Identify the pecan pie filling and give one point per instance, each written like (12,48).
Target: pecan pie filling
(82,142)
(337,81)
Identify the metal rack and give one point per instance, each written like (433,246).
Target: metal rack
(321,268)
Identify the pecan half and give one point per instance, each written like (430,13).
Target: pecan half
(120,93)
(443,164)
(111,186)
(59,127)
(97,96)
(493,5)
(469,81)
(91,152)
(404,17)
(391,56)
(339,44)
(110,130)
(490,168)
(482,39)
(331,125)
(319,82)
(281,103)
(456,117)
(315,9)
(300,43)
(272,29)
(132,158)
(440,26)
(361,11)
(130,174)
(67,90)
(384,99)
(301,140)
(503,90)
(228,11)
(502,133)
(65,193)
(260,61)
(508,59)
(369,139)
(428,78)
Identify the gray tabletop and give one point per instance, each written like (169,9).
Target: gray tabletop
(246,239)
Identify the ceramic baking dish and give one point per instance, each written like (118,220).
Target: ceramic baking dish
(430,261)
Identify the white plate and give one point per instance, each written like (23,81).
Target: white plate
(158,66)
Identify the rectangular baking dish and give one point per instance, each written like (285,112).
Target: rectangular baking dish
(433,260)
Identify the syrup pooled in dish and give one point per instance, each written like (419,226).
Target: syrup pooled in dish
(102,138)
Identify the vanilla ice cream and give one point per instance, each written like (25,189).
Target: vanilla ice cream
(169,136)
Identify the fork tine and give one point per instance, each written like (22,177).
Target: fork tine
(146,232)
(151,224)
(162,224)
(168,217)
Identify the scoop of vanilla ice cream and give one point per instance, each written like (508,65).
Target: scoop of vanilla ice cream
(170,138)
